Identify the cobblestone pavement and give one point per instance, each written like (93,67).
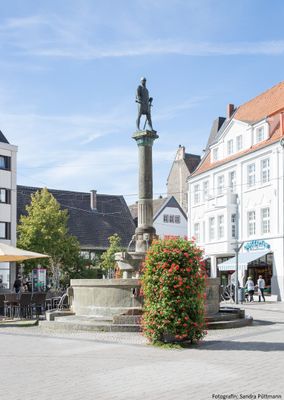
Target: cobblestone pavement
(38,364)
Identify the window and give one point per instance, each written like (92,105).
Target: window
(220,184)
(251,175)
(232,180)
(215,154)
(220,226)
(265,170)
(259,134)
(205,190)
(234,225)
(251,223)
(172,219)
(5,196)
(230,147)
(5,230)
(196,194)
(177,219)
(197,232)
(239,142)
(166,218)
(211,228)
(5,162)
(265,220)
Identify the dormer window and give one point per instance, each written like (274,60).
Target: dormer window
(215,154)
(239,142)
(259,134)
(230,147)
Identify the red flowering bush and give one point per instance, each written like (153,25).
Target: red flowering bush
(173,283)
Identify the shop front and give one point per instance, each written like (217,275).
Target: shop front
(256,259)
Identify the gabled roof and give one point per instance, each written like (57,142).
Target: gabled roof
(267,105)
(158,206)
(92,228)
(2,138)
(169,202)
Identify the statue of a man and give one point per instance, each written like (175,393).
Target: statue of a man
(144,104)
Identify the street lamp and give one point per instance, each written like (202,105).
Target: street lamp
(237,250)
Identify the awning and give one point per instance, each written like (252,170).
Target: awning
(10,253)
(244,260)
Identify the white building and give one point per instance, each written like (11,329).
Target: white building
(8,205)
(236,193)
(169,219)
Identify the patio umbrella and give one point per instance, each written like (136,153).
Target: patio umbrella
(11,253)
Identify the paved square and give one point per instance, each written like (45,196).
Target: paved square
(38,364)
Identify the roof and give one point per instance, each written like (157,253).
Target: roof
(158,206)
(91,227)
(191,161)
(2,138)
(267,105)
(217,123)
(263,105)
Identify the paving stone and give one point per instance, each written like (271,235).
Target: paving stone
(38,364)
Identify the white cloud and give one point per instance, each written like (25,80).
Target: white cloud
(58,37)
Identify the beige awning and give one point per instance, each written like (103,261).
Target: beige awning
(10,253)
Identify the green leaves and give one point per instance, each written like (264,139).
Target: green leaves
(174,284)
(44,229)
(107,258)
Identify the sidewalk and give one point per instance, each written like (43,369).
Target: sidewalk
(38,365)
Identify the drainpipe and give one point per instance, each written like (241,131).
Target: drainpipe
(282,145)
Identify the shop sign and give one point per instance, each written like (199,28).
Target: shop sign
(256,245)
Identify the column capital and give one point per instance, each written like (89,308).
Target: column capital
(145,138)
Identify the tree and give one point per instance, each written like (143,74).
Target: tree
(108,257)
(44,229)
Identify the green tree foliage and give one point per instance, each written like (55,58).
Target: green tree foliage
(44,230)
(107,258)
(173,283)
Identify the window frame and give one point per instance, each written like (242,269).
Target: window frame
(265,170)
(211,226)
(221,226)
(239,142)
(265,220)
(220,187)
(250,175)
(196,194)
(230,147)
(251,223)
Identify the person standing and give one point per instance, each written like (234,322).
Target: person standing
(261,286)
(17,284)
(250,286)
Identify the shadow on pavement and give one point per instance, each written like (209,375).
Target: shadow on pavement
(234,345)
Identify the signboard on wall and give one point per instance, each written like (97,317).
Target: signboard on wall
(39,280)
(257,245)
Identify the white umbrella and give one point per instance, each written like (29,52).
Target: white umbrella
(11,253)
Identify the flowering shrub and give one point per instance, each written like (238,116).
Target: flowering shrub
(173,284)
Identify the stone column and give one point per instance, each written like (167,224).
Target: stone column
(145,232)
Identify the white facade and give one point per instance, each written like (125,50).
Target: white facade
(171,221)
(8,207)
(239,197)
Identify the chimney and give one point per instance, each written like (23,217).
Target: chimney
(230,110)
(93,200)
(180,153)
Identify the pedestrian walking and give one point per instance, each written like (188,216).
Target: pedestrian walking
(250,287)
(261,286)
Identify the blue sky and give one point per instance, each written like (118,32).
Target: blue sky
(69,71)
